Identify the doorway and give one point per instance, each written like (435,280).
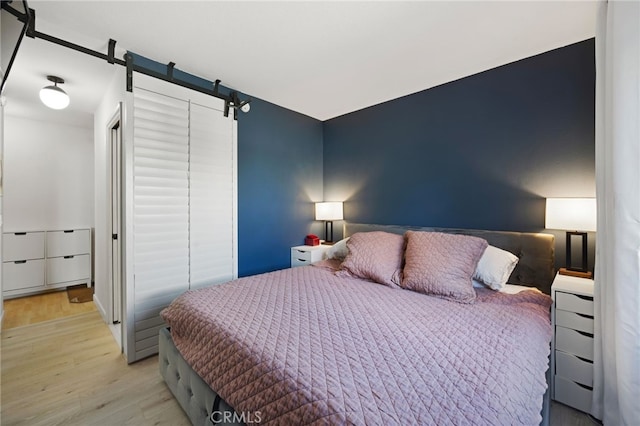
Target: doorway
(114,140)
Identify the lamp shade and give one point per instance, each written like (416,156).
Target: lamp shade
(329,210)
(54,97)
(576,214)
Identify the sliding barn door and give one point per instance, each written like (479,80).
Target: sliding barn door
(181,216)
(161,211)
(212,197)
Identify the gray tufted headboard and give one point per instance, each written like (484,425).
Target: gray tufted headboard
(535,250)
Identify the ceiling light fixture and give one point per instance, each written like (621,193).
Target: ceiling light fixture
(53,96)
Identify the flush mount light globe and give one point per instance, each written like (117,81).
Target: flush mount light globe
(53,96)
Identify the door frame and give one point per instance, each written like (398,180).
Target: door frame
(115,296)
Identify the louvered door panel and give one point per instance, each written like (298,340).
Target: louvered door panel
(161,210)
(211,197)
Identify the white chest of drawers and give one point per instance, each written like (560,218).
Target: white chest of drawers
(572,321)
(43,260)
(306,255)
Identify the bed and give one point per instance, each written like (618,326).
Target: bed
(306,345)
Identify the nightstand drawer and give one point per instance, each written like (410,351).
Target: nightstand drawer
(573,368)
(302,255)
(306,255)
(299,262)
(572,394)
(574,303)
(574,321)
(574,342)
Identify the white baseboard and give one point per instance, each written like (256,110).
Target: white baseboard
(114,328)
(101,309)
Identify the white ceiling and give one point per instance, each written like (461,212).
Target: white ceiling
(322,59)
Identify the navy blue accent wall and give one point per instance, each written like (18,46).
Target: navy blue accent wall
(279,175)
(480,152)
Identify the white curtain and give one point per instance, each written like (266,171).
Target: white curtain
(616,396)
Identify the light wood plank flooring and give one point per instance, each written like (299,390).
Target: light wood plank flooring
(70,371)
(41,307)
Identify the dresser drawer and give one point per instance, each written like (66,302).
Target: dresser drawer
(573,368)
(22,246)
(574,321)
(574,342)
(22,274)
(63,269)
(572,394)
(574,303)
(66,243)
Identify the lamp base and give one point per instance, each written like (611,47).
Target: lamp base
(579,274)
(328,235)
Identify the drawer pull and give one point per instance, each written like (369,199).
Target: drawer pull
(584,315)
(300,251)
(580,296)
(19,233)
(68,231)
(584,386)
(584,333)
(302,260)
(584,359)
(17,262)
(68,257)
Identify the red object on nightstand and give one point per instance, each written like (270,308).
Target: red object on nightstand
(312,240)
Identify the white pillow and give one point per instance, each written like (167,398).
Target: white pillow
(515,289)
(339,250)
(494,268)
(508,288)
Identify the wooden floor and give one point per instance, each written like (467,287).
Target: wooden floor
(41,307)
(70,371)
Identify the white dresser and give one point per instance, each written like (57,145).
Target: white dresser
(573,341)
(43,260)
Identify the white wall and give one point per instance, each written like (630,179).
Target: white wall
(48,175)
(1,225)
(114,94)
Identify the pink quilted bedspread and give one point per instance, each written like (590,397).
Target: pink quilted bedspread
(303,346)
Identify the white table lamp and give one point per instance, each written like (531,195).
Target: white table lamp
(329,211)
(576,216)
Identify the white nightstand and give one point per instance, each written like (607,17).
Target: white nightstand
(572,345)
(306,255)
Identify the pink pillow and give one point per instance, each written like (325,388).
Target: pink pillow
(375,256)
(442,265)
